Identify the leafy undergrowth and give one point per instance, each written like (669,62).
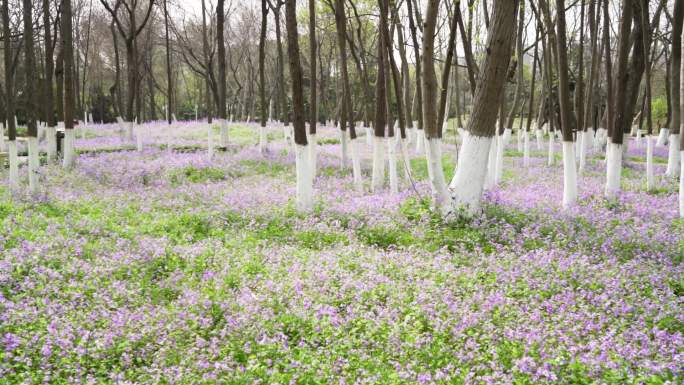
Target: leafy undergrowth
(168,268)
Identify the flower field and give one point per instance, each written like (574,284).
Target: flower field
(165,267)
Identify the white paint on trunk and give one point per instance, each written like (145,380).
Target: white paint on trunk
(569,175)
(210,142)
(304,180)
(507,136)
(584,137)
(69,155)
(3,145)
(33,164)
(436,173)
(519,139)
(538,135)
(313,155)
(405,160)
(613,169)
(356,164)
(526,148)
(369,136)
(51,134)
(224,132)
(139,137)
(552,157)
(498,174)
(638,139)
(650,179)
(420,141)
(673,156)
(469,179)
(392,159)
(345,148)
(378,178)
(13,164)
(491,163)
(262,139)
(662,136)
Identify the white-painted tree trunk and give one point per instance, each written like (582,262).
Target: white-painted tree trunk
(378,177)
(130,130)
(491,163)
(584,135)
(139,137)
(405,160)
(51,134)
(392,160)
(498,174)
(650,180)
(85,125)
(436,173)
(613,169)
(569,175)
(420,141)
(68,150)
(356,164)
(224,132)
(3,145)
(520,139)
(263,145)
(313,155)
(469,179)
(662,136)
(673,160)
(13,164)
(287,133)
(304,201)
(552,155)
(507,136)
(638,139)
(538,135)
(33,165)
(369,136)
(345,148)
(526,148)
(210,142)
(681,186)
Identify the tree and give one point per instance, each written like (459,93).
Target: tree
(169,79)
(432,117)
(380,125)
(262,75)
(48,91)
(220,26)
(9,91)
(31,96)
(304,180)
(568,120)
(614,150)
(673,164)
(469,179)
(69,93)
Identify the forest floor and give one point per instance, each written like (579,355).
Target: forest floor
(165,268)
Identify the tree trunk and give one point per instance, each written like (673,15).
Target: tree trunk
(468,182)
(169,79)
(380,124)
(673,164)
(304,180)
(519,68)
(432,118)
(69,94)
(566,115)
(9,90)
